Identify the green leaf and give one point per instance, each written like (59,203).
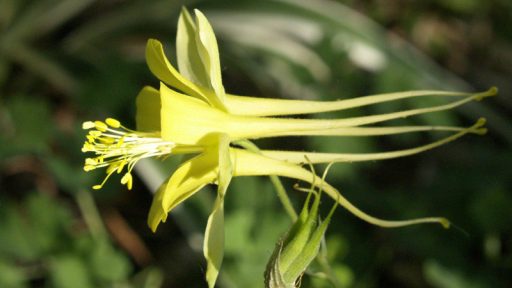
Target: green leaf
(70,271)
(443,277)
(255,217)
(68,175)
(150,277)
(43,66)
(48,222)
(29,126)
(108,264)
(491,210)
(15,234)
(11,276)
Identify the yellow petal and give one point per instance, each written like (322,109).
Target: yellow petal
(253,127)
(378,131)
(213,248)
(186,120)
(251,164)
(191,176)
(214,242)
(188,178)
(157,213)
(257,106)
(299,157)
(225,171)
(190,63)
(148,106)
(209,52)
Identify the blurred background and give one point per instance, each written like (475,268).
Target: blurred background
(66,61)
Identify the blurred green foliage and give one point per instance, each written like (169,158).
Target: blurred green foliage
(66,61)
(38,234)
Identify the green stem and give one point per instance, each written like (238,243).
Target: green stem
(91,214)
(321,259)
(278,185)
(331,277)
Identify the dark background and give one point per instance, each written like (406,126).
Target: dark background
(63,62)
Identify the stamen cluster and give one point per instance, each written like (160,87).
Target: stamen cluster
(117,147)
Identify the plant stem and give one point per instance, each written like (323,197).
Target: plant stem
(278,185)
(91,214)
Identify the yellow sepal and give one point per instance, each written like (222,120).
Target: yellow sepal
(213,248)
(148,105)
(161,67)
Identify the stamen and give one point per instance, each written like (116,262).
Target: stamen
(128,180)
(117,147)
(88,168)
(100,126)
(121,166)
(88,125)
(95,133)
(113,123)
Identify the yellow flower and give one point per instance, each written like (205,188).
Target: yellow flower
(204,120)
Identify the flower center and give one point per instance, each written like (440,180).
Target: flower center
(117,147)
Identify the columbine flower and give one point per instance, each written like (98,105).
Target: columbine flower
(204,120)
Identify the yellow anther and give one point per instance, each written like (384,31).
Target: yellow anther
(121,166)
(113,123)
(120,142)
(96,187)
(95,133)
(130,183)
(88,125)
(116,147)
(88,168)
(107,140)
(100,126)
(126,178)
(88,147)
(111,167)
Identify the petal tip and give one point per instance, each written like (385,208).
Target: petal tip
(445,223)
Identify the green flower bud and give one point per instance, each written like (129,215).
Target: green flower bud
(299,246)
